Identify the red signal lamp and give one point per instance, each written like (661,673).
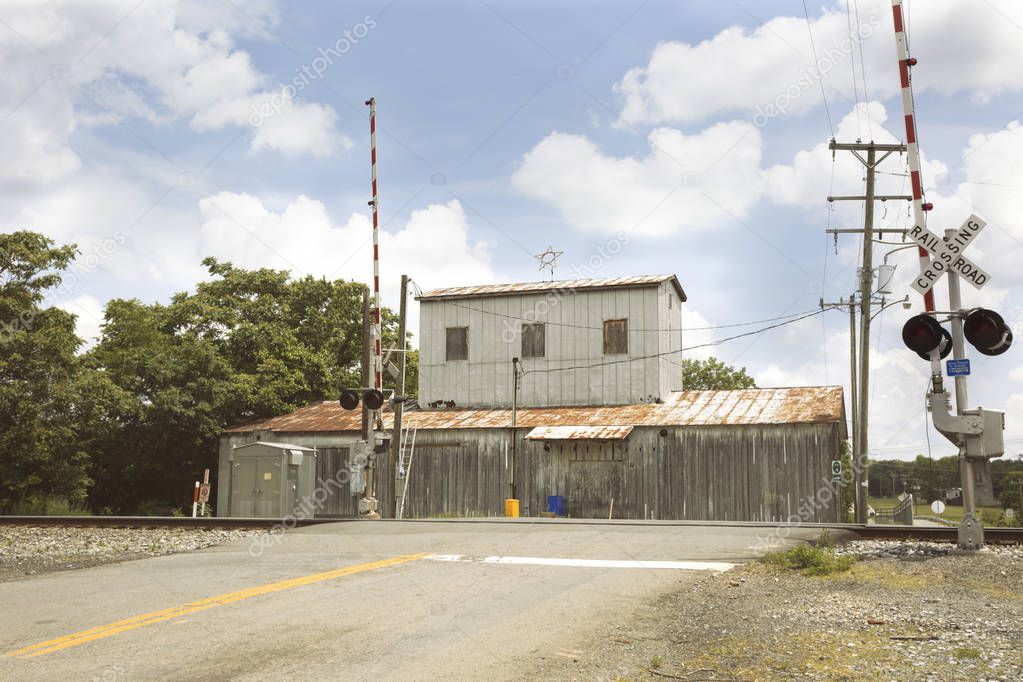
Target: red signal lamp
(987,332)
(923,335)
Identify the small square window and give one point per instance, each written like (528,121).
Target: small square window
(616,337)
(457,343)
(533,341)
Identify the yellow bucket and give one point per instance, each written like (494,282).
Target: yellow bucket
(511,508)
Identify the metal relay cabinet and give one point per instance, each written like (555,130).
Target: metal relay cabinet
(271,480)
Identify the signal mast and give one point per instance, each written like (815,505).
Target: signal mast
(978,433)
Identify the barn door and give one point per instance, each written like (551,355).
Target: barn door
(443,481)
(594,480)
(334,498)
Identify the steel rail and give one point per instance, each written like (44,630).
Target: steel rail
(866,532)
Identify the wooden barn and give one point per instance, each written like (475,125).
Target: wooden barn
(746,455)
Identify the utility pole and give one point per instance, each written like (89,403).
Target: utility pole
(866,281)
(854,392)
(399,405)
(866,294)
(368,428)
(514,439)
(955,304)
(860,499)
(365,360)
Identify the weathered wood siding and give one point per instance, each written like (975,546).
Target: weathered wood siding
(735,473)
(728,473)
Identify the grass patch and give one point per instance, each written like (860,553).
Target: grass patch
(966,653)
(820,560)
(889,577)
(804,655)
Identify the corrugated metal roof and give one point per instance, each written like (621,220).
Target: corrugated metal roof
(803,405)
(282,446)
(541,287)
(579,433)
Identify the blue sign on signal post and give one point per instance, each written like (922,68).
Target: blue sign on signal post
(958,368)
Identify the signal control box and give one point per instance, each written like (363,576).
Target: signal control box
(990,442)
(980,431)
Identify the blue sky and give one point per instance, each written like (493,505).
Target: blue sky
(510,126)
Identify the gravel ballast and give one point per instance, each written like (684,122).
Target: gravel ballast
(906,611)
(28,551)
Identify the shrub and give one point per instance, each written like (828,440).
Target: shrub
(48,506)
(808,560)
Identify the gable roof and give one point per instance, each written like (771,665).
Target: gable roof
(489,290)
(762,406)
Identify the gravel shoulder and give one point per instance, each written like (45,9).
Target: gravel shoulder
(906,611)
(27,551)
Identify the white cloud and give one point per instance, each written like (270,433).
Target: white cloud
(695,332)
(301,128)
(685,182)
(88,314)
(961,47)
(102,63)
(814,174)
(433,247)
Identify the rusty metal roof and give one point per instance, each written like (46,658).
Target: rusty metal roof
(579,433)
(802,405)
(487,290)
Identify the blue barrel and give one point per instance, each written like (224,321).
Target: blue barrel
(556,504)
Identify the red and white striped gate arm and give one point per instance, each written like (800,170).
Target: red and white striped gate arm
(913,149)
(375,203)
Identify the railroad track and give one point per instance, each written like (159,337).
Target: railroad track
(204,523)
(999,536)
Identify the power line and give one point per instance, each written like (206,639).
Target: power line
(852,68)
(746,324)
(863,70)
(592,328)
(678,350)
(820,81)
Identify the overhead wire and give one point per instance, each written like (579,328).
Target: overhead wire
(852,68)
(593,328)
(820,81)
(672,352)
(858,44)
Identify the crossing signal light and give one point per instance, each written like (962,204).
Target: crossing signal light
(987,332)
(923,335)
(349,399)
(372,398)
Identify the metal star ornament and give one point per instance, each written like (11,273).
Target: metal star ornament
(548,259)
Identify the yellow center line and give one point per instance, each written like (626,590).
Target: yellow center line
(142,620)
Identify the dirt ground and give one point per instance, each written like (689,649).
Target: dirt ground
(910,613)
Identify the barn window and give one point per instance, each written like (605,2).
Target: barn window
(457,343)
(533,341)
(616,337)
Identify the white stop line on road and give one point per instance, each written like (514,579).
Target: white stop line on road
(586,563)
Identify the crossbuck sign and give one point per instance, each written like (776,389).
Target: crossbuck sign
(948,255)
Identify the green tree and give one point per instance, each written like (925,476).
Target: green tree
(712,374)
(38,374)
(246,344)
(1011,496)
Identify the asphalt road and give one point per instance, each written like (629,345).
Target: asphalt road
(362,600)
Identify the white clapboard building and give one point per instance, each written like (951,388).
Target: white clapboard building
(579,342)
